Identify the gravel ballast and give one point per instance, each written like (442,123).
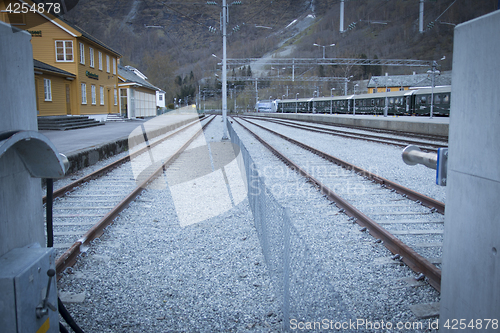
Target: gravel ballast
(149,274)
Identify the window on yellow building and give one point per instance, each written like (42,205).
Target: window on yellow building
(91,54)
(84,93)
(107,63)
(116,97)
(100,60)
(93,93)
(82,54)
(64,50)
(102,94)
(114,66)
(47,84)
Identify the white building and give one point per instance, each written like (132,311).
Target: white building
(160,98)
(138,97)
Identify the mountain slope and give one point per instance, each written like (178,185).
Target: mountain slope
(166,39)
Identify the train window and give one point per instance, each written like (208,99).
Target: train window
(423,99)
(446,99)
(437,99)
(391,101)
(378,102)
(373,102)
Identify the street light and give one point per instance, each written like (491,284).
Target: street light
(331,100)
(277,70)
(296,101)
(434,71)
(323,46)
(347,80)
(354,103)
(314,93)
(386,106)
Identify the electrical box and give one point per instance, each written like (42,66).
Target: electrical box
(25,304)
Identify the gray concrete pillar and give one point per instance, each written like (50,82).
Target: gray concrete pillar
(470,285)
(21,215)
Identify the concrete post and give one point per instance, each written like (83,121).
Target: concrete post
(21,215)
(470,285)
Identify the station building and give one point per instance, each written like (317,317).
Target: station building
(380,84)
(138,97)
(75,73)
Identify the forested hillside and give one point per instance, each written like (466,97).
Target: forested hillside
(172,42)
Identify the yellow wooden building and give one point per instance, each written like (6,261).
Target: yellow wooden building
(77,74)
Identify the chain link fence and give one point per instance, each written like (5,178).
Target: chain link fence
(298,279)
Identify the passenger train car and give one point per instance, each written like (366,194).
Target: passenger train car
(405,102)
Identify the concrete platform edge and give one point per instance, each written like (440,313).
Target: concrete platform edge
(390,123)
(89,156)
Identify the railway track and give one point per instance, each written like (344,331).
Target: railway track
(86,207)
(408,223)
(395,138)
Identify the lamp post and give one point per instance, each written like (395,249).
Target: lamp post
(386,106)
(296,101)
(224,70)
(433,71)
(331,100)
(354,102)
(314,93)
(347,80)
(323,46)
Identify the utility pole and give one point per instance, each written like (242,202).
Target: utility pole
(421,20)
(224,70)
(341,16)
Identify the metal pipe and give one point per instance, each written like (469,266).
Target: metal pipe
(412,155)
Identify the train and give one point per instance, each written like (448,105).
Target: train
(271,106)
(413,102)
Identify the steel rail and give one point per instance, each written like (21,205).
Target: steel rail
(410,194)
(371,129)
(409,256)
(359,136)
(69,258)
(60,192)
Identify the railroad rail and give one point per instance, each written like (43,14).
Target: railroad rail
(64,190)
(401,251)
(117,179)
(395,141)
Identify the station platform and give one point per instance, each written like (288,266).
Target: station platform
(87,146)
(420,125)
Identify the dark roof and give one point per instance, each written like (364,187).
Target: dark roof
(131,77)
(48,68)
(88,36)
(417,80)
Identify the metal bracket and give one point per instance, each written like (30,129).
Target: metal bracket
(38,154)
